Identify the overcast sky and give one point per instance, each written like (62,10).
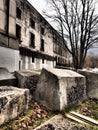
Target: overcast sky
(39,5)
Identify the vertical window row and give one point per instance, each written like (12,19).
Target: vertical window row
(32,36)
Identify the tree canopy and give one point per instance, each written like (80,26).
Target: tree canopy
(78,24)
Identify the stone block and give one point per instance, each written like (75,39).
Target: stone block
(58,88)
(13,101)
(91,83)
(27,79)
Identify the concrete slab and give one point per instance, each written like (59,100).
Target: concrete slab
(58,88)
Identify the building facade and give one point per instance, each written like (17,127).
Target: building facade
(9,50)
(27,40)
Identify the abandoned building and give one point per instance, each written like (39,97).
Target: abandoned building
(27,40)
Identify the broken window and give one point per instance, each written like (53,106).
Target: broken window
(32,40)
(42,31)
(18,13)
(18,32)
(42,45)
(32,23)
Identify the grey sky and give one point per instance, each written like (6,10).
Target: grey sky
(39,4)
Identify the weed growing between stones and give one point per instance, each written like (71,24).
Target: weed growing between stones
(89,108)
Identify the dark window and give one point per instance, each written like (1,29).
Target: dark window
(18,13)
(7,11)
(42,31)
(32,59)
(18,32)
(32,23)
(32,40)
(42,61)
(42,45)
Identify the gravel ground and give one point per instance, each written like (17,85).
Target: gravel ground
(58,122)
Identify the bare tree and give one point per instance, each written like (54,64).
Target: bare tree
(77,24)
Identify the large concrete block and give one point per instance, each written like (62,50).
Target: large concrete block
(13,101)
(91,83)
(59,88)
(28,79)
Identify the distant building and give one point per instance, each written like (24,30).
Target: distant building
(27,40)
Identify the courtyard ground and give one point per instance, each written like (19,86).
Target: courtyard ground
(37,114)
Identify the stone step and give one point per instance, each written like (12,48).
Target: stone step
(75,119)
(81,118)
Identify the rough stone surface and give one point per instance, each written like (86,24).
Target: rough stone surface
(58,122)
(13,101)
(27,79)
(91,83)
(58,88)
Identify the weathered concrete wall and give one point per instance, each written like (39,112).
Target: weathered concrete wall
(12,17)
(27,79)
(9,59)
(9,45)
(59,88)
(13,101)
(91,83)
(28,13)
(26,29)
